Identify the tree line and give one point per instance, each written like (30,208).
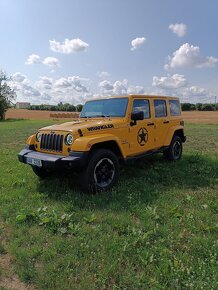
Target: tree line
(59,107)
(199,107)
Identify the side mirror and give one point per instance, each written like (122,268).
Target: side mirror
(136,116)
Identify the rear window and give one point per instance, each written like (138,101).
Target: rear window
(160,108)
(175,108)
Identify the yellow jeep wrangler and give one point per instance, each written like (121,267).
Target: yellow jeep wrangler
(108,132)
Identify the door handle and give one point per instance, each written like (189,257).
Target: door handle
(165,122)
(150,124)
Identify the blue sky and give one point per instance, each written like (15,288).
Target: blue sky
(113,47)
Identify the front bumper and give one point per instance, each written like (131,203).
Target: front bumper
(75,160)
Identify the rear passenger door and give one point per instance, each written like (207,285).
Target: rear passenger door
(141,135)
(161,121)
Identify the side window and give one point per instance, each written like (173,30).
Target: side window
(160,108)
(174,108)
(141,105)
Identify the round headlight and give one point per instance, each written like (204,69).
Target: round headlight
(69,139)
(38,137)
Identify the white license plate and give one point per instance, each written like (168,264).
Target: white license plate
(34,161)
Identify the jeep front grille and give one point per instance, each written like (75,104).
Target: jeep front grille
(52,142)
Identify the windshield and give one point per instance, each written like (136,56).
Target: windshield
(105,108)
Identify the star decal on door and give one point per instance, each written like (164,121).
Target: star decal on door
(142,136)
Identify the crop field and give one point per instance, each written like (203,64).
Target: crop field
(196,117)
(157,229)
(35,115)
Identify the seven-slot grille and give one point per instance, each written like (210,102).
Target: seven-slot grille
(53,142)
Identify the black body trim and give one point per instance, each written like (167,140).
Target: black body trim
(151,152)
(75,160)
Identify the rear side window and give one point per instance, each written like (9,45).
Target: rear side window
(160,108)
(142,105)
(175,108)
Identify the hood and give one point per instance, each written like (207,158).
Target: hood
(87,124)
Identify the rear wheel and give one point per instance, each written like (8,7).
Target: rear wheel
(102,171)
(41,172)
(174,152)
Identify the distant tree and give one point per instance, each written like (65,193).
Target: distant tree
(72,108)
(53,108)
(193,107)
(198,106)
(79,107)
(207,107)
(186,106)
(7,94)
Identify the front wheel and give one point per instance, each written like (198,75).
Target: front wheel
(102,171)
(174,152)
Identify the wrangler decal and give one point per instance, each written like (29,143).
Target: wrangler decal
(108,126)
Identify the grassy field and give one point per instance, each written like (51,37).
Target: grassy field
(156,230)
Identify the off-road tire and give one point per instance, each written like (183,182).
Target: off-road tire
(101,172)
(174,152)
(41,172)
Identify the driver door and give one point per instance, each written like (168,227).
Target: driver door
(141,136)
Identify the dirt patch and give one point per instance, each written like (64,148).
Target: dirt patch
(8,279)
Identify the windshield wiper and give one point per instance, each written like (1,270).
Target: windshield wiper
(103,116)
(97,116)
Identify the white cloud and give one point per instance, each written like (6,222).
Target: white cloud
(189,56)
(77,85)
(29,91)
(137,42)
(33,59)
(103,74)
(75,89)
(177,85)
(18,77)
(105,86)
(73,82)
(46,80)
(139,90)
(62,83)
(179,29)
(36,59)
(68,46)
(196,91)
(118,88)
(169,82)
(48,90)
(44,83)
(51,61)
(45,97)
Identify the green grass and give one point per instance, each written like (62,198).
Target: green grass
(156,230)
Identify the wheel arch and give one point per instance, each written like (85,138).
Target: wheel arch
(178,130)
(91,143)
(109,145)
(180,133)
